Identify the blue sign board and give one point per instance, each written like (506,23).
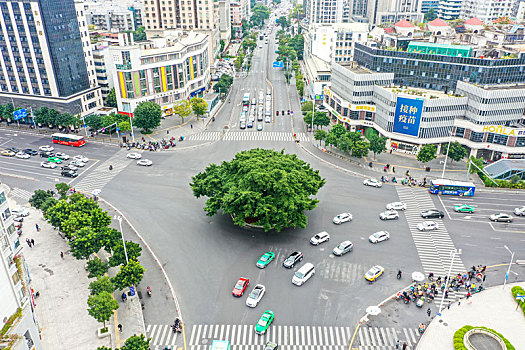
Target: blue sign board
(20,114)
(408,116)
(319,97)
(278,64)
(132,291)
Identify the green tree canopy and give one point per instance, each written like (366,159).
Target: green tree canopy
(62,189)
(111,98)
(283,22)
(430,15)
(377,144)
(101,306)
(182,109)
(457,152)
(199,106)
(86,242)
(307,106)
(427,153)
(94,121)
(320,134)
(39,197)
(264,187)
(101,284)
(259,14)
(147,116)
(119,257)
(96,267)
(136,342)
(129,275)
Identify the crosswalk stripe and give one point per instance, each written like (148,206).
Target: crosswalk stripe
(101,175)
(21,193)
(248,136)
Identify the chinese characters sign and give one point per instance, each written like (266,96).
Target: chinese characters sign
(408,116)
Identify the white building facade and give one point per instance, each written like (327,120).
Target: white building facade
(449,9)
(392,11)
(324,11)
(486,10)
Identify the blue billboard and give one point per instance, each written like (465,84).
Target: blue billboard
(408,116)
(20,114)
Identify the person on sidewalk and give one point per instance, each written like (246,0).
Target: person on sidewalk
(32,242)
(429,312)
(398,343)
(62,255)
(120,327)
(28,242)
(37,228)
(123,297)
(405,345)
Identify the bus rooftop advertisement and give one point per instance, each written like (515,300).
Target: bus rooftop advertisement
(408,116)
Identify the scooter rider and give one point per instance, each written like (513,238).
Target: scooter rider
(399,273)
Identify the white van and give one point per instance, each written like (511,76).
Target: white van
(20,211)
(254,101)
(303,274)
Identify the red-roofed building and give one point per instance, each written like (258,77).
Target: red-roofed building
(474,24)
(404,27)
(438,27)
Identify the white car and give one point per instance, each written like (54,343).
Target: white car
(373,183)
(343,248)
(62,156)
(134,155)
(319,238)
(343,217)
(46,148)
(22,155)
(77,163)
(396,206)
(427,226)
(267,119)
(81,159)
(389,215)
(379,237)
(520,211)
(49,165)
(145,162)
(20,211)
(256,295)
(245,109)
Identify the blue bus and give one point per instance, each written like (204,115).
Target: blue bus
(455,188)
(220,345)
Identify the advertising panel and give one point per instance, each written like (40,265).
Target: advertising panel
(408,116)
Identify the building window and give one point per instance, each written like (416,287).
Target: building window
(476,136)
(460,132)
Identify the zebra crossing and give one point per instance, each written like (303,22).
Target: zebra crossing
(433,247)
(101,176)
(248,136)
(243,337)
(383,338)
(161,336)
(20,193)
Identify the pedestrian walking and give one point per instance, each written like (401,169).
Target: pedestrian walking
(468,295)
(394,169)
(398,343)
(191,126)
(446,294)
(448,306)
(28,242)
(429,312)
(123,297)
(391,151)
(405,345)
(62,255)
(120,327)
(32,241)
(459,302)
(37,228)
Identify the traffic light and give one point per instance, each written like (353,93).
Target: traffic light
(288,112)
(277,112)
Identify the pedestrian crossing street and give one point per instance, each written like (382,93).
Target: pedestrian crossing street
(383,338)
(248,136)
(101,175)
(20,193)
(433,247)
(243,337)
(161,336)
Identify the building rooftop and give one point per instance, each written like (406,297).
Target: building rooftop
(420,92)
(504,165)
(404,24)
(354,68)
(474,21)
(316,65)
(438,22)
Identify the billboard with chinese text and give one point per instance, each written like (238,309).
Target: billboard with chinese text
(408,116)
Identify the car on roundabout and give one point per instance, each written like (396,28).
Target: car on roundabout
(374,273)
(427,226)
(256,295)
(54,160)
(46,148)
(293,259)
(77,163)
(520,211)
(242,125)
(501,217)
(240,287)
(464,208)
(69,173)
(389,215)
(69,167)
(264,322)
(265,259)
(250,124)
(62,156)
(49,165)
(8,153)
(432,214)
(13,149)
(268,119)
(30,151)
(373,183)
(46,154)
(144,162)
(379,236)
(134,155)
(81,158)
(342,218)
(22,155)
(343,248)
(319,238)
(396,206)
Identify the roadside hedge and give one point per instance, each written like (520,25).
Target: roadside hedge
(518,290)
(460,333)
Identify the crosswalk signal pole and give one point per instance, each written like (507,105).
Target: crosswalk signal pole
(454,252)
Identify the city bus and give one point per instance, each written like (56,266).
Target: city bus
(246,99)
(455,188)
(220,345)
(69,140)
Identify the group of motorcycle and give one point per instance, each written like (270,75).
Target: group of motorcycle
(419,294)
(152,146)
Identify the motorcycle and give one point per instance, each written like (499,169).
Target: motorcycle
(399,273)
(407,299)
(420,302)
(148,290)
(176,326)
(421,329)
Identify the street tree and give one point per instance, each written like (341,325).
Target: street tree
(111,98)
(86,242)
(321,119)
(110,238)
(96,267)
(50,202)
(39,197)
(94,121)
(320,135)
(377,144)
(62,189)
(199,106)
(456,151)
(101,306)
(262,187)
(283,22)
(427,153)
(182,109)
(337,130)
(101,284)
(259,14)
(119,257)
(147,116)
(129,275)
(307,106)
(136,342)
(344,144)
(73,223)
(58,213)
(99,219)
(124,125)
(360,148)
(477,163)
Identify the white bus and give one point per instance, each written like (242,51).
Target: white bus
(246,99)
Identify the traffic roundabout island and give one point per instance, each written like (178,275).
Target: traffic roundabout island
(480,338)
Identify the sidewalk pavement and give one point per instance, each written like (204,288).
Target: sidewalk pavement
(493,308)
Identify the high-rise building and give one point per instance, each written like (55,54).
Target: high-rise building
(392,11)
(42,58)
(449,9)
(239,12)
(16,305)
(225,26)
(486,10)
(518,10)
(428,5)
(324,11)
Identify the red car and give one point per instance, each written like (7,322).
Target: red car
(240,287)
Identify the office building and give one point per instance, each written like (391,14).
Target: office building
(239,12)
(428,5)
(518,11)
(225,27)
(486,119)
(103,68)
(392,11)
(165,69)
(324,11)
(486,10)
(42,60)
(15,291)
(449,9)
(112,16)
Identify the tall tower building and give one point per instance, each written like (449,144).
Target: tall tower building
(324,11)
(486,10)
(42,60)
(392,11)
(449,9)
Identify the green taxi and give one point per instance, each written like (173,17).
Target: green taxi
(464,208)
(265,259)
(264,322)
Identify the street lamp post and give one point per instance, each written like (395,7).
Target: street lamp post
(446,155)
(119,218)
(453,253)
(510,264)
